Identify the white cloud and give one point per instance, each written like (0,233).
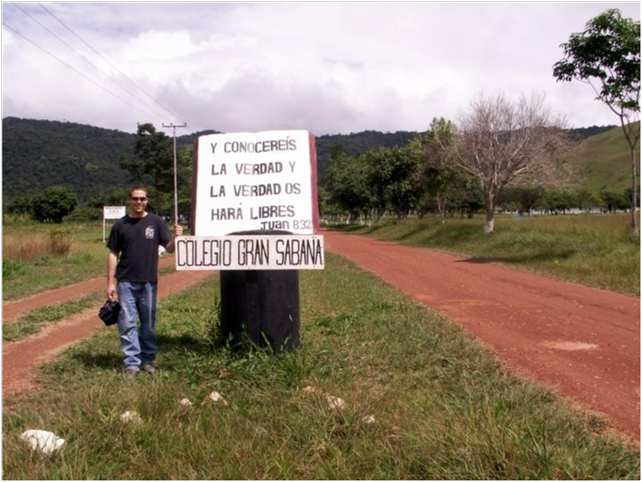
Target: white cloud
(326,67)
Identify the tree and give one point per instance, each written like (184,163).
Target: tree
(607,53)
(436,172)
(586,199)
(466,196)
(54,204)
(522,198)
(345,182)
(499,142)
(615,200)
(560,200)
(391,179)
(21,205)
(184,180)
(153,161)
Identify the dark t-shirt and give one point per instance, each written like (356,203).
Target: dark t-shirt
(136,240)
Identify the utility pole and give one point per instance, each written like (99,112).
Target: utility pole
(174,126)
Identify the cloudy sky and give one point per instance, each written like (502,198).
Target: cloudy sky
(326,67)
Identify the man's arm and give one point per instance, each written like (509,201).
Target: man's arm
(112,260)
(178,231)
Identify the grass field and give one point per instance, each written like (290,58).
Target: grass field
(442,407)
(593,250)
(87,258)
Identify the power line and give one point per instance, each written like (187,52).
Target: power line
(68,66)
(81,55)
(107,60)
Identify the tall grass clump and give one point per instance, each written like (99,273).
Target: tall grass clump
(29,248)
(422,400)
(37,257)
(60,242)
(15,248)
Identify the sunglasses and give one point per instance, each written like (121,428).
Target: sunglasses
(141,199)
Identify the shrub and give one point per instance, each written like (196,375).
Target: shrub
(54,204)
(84,213)
(11,268)
(21,205)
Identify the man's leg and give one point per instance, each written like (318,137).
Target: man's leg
(147,333)
(127,326)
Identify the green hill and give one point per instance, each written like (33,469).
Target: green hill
(39,153)
(602,161)
(354,144)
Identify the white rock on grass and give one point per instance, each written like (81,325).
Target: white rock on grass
(131,417)
(216,398)
(185,402)
(261,432)
(43,441)
(310,389)
(335,403)
(368,419)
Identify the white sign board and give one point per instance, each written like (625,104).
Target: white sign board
(255,181)
(249,252)
(114,212)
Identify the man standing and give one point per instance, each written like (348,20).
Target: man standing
(136,238)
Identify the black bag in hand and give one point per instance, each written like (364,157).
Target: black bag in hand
(109,312)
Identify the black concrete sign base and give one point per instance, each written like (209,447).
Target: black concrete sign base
(261,306)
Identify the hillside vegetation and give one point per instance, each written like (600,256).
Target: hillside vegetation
(41,153)
(37,154)
(602,161)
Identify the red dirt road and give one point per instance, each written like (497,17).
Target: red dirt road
(21,358)
(582,342)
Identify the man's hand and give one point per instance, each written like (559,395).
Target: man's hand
(178,231)
(112,294)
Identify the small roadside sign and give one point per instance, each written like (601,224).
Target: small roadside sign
(112,212)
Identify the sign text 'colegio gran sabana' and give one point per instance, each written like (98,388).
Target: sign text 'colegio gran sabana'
(242,252)
(248,183)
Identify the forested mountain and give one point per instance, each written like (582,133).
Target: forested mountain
(357,143)
(187,141)
(39,153)
(584,132)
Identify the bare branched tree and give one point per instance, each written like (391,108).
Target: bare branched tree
(499,142)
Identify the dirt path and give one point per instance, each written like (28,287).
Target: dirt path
(20,358)
(582,342)
(11,310)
